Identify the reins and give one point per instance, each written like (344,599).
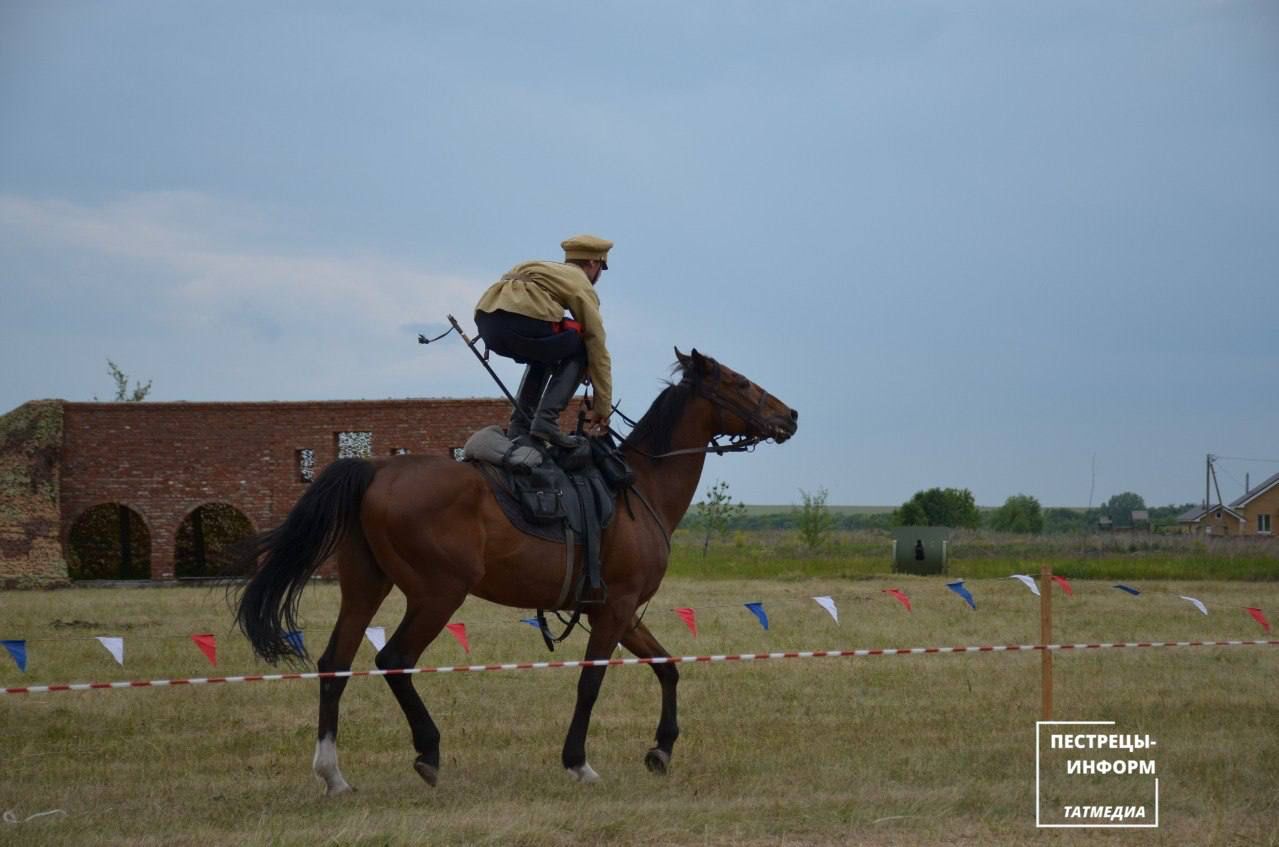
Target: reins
(709,389)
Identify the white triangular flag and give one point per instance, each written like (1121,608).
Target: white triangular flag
(829,605)
(1198,603)
(115,646)
(1030,583)
(376,636)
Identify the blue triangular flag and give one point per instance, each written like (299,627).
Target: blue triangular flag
(18,650)
(294,637)
(958,587)
(757,609)
(1134,592)
(533,622)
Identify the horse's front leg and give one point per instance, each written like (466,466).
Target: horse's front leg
(640,641)
(607,626)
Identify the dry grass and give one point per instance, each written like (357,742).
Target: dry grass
(909,750)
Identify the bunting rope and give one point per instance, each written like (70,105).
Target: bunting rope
(608,663)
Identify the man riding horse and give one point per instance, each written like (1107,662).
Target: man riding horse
(521,317)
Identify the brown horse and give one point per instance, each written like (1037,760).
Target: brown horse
(431,527)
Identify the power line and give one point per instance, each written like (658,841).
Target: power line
(1244,459)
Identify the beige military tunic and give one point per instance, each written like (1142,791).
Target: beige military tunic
(543,290)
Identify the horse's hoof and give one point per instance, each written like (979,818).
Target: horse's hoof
(584,773)
(338,790)
(657,761)
(428,772)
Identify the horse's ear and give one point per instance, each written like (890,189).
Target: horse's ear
(681,358)
(699,361)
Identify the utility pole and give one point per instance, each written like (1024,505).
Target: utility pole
(1207,485)
(1210,481)
(1207,493)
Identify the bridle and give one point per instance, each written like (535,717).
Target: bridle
(709,387)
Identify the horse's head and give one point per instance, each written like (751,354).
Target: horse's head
(741,407)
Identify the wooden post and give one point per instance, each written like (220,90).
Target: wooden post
(1045,636)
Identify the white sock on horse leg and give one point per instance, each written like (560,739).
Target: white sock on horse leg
(325,765)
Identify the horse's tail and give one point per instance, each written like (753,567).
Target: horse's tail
(268,605)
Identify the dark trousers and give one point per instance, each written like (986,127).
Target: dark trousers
(556,362)
(526,339)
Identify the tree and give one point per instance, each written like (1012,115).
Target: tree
(716,513)
(1020,513)
(1120,508)
(814,518)
(953,507)
(122,393)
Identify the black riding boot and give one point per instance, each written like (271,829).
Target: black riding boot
(565,379)
(530,392)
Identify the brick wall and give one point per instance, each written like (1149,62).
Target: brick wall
(165,459)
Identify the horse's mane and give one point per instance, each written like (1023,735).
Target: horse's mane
(653,431)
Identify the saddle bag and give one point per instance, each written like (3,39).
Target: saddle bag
(542,505)
(612,466)
(540,495)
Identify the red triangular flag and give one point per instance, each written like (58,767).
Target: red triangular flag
(208,646)
(901,597)
(459,632)
(1065,586)
(689,617)
(1259,618)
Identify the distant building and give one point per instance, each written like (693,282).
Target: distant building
(1255,513)
(154,490)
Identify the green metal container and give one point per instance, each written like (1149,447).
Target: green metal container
(920,549)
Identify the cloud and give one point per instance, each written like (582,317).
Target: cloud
(199,256)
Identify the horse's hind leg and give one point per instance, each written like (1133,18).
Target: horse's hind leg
(641,642)
(364,588)
(423,620)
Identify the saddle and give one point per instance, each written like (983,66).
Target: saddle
(567,497)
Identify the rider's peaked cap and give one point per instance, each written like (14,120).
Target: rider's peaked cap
(588,247)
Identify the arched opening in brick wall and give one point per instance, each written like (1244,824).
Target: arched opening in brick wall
(203,538)
(109,541)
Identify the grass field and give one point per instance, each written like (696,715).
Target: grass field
(861,554)
(932,750)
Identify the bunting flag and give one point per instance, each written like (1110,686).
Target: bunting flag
(208,646)
(1258,617)
(294,637)
(958,587)
(689,617)
(376,636)
(1198,604)
(115,646)
(828,604)
(1065,586)
(900,595)
(1027,581)
(17,648)
(757,609)
(459,632)
(1128,588)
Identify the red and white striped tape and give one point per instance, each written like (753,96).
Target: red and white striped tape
(608,663)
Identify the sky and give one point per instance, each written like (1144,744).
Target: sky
(1004,246)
